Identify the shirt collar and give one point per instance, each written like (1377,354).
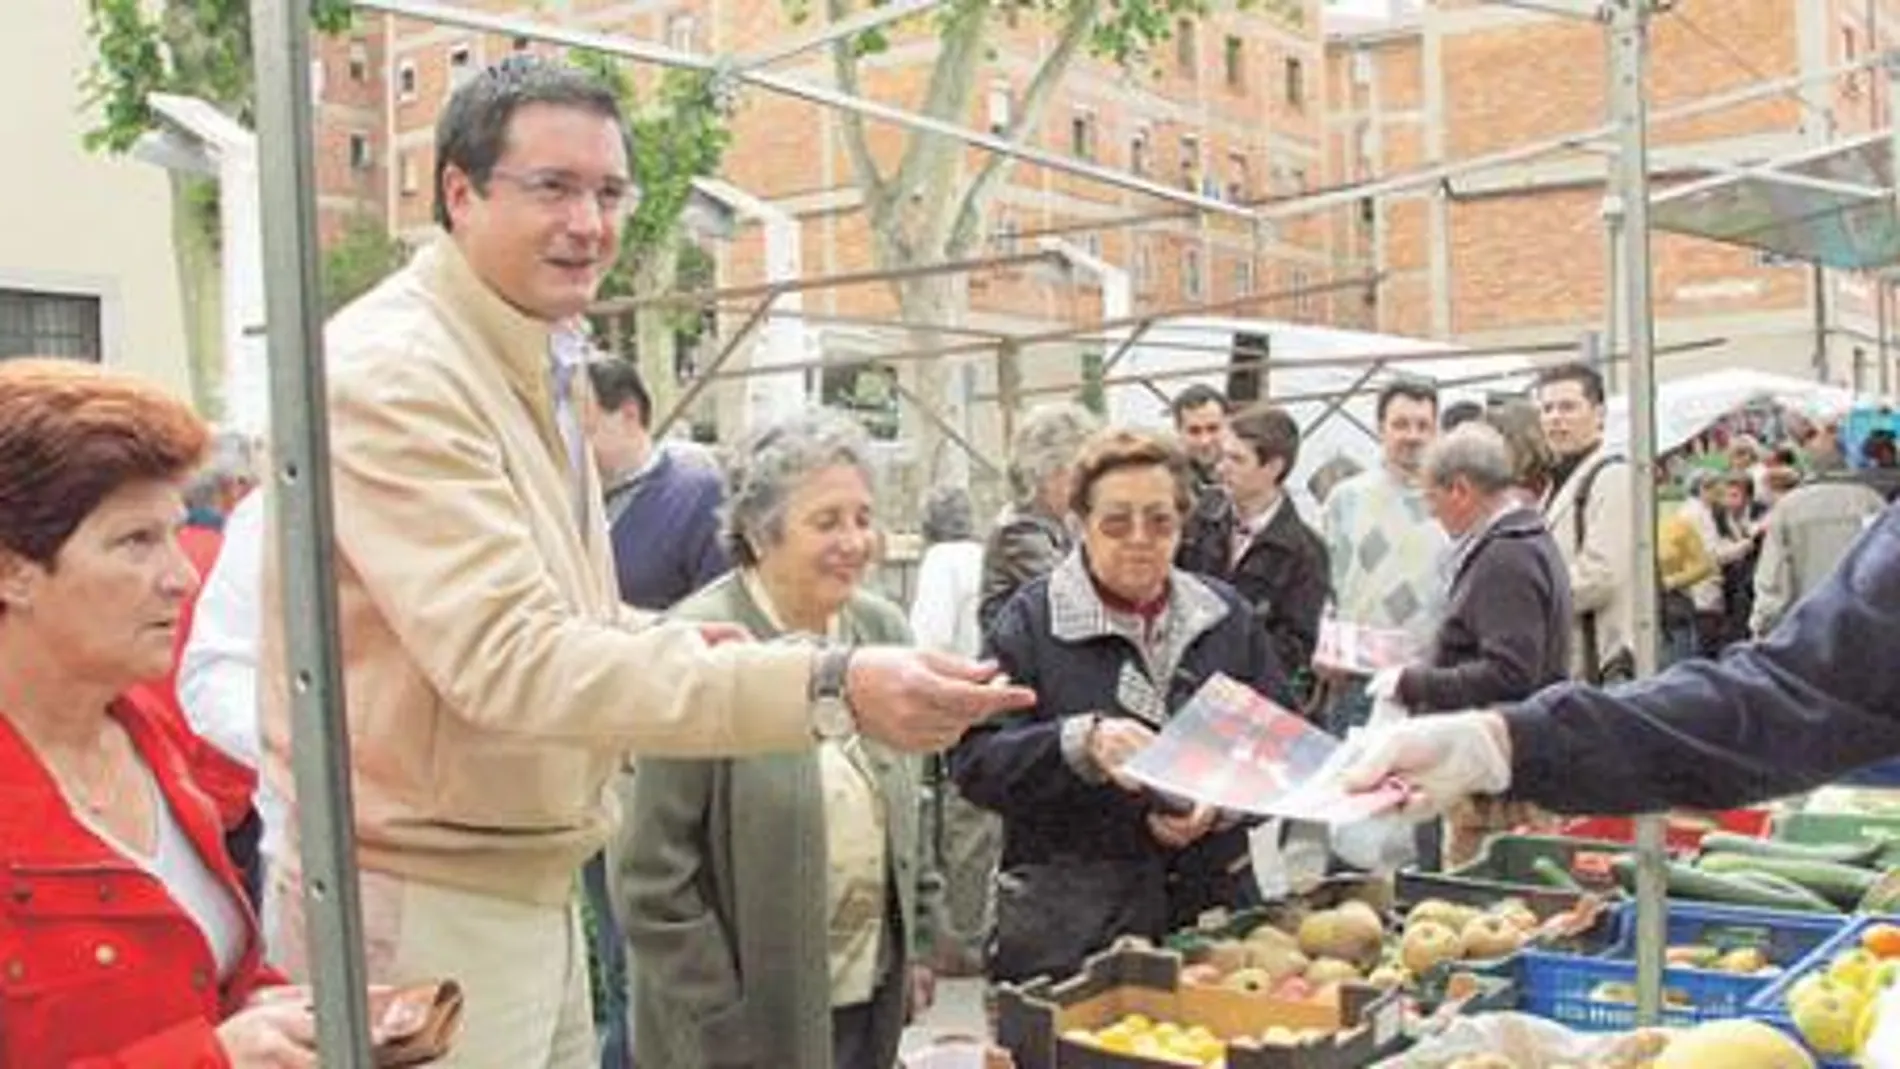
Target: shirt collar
(1260,520)
(755,589)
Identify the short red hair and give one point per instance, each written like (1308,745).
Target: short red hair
(73,433)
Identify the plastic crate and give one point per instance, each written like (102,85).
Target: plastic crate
(1683,833)
(1560,986)
(1505,870)
(1883,774)
(1831,828)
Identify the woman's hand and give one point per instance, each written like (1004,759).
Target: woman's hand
(1180,832)
(920,991)
(275,1031)
(1112,742)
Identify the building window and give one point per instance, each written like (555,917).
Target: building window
(1239,184)
(1191,287)
(1082,135)
(406,170)
(1243,277)
(359,61)
(1184,56)
(1092,244)
(1362,67)
(1144,266)
(406,80)
(1006,236)
(1299,179)
(1234,60)
(1190,162)
(1138,153)
(1302,301)
(50,324)
(682,32)
(1850,51)
(1002,107)
(360,157)
(461,65)
(1295,83)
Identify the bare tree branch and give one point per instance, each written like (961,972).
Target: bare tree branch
(1042,86)
(961,47)
(844,63)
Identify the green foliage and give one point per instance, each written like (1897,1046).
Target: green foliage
(361,257)
(681,137)
(194,47)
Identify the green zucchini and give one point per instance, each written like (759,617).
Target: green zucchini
(1689,882)
(1843,885)
(1861,854)
(1554,875)
(1783,885)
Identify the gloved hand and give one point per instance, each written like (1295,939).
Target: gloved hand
(1443,758)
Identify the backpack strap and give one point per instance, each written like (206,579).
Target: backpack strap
(1579,521)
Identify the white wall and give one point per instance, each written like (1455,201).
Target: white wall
(73,221)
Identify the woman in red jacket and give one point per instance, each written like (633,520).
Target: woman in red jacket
(125,940)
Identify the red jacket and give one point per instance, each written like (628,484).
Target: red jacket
(99,967)
(230,783)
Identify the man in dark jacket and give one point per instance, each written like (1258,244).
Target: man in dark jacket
(1504,634)
(1258,543)
(1787,713)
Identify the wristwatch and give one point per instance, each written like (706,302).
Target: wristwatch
(831,715)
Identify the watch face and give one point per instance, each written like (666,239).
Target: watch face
(831,719)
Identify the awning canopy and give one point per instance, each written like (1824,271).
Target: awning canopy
(1832,205)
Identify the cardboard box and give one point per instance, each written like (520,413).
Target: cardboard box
(1361,1025)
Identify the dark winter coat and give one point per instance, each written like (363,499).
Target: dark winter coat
(1283,576)
(1080,866)
(1505,633)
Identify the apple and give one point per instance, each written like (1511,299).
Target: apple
(1428,944)
(1491,936)
(1828,1020)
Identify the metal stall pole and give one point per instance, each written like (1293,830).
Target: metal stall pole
(320,747)
(1629,207)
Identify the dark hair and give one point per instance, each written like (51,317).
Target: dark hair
(1460,412)
(1115,450)
(1196,396)
(1583,374)
(1411,390)
(1271,434)
(617,382)
(473,130)
(71,434)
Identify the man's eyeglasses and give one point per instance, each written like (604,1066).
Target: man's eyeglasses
(614,198)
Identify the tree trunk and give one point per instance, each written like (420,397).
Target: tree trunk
(928,303)
(654,344)
(200,292)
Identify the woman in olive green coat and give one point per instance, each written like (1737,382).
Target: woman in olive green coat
(771,904)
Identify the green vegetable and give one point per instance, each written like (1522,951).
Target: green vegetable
(1554,875)
(1884,895)
(1862,853)
(1843,885)
(1687,881)
(1782,885)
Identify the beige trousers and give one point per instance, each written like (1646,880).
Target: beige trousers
(522,967)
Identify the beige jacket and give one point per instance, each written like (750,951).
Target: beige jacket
(1806,535)
(494,680)
(1602,568)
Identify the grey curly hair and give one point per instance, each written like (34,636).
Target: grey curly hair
(765,468)
(1045,443)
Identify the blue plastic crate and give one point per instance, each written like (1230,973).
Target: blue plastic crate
(1560,986)
(1771,1003)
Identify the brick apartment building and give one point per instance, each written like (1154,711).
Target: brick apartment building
(1519,254)
(1232,108)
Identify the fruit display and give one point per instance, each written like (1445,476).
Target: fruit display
(1157,1041)
(1832,1006)
(1725,1044)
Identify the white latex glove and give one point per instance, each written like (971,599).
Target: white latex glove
(1442,758)
(1384,684)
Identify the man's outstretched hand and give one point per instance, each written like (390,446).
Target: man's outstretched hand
(922,701)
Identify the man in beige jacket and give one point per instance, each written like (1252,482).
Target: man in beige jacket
(494,679)
(1588,511)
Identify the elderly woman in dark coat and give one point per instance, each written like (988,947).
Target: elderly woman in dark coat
(1113,641)
(1031,536)
(771,904)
